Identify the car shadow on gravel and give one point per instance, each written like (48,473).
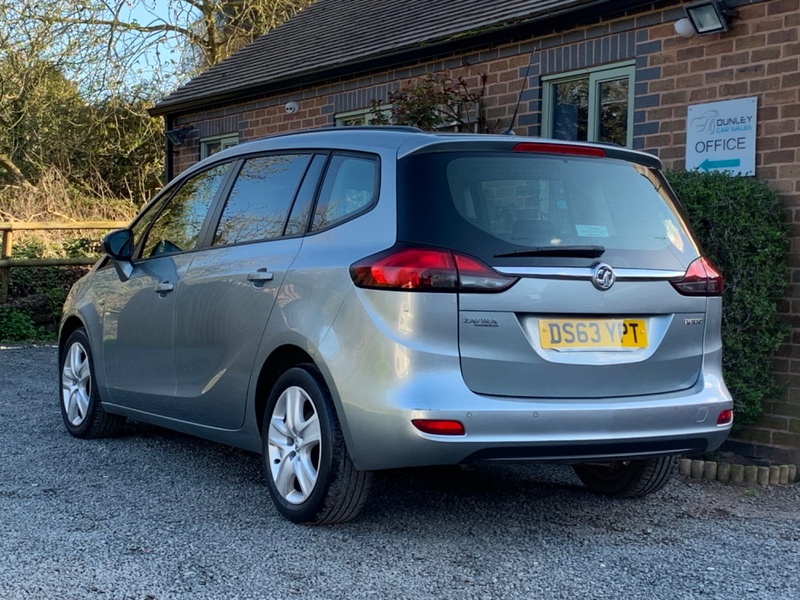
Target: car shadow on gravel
(495,487)
(428,493)
(422,500)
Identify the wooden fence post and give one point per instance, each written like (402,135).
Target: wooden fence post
(6,241)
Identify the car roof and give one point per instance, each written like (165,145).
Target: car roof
(405,141)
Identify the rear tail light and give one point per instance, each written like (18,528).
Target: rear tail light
(725,417)
(439,426)
(423,269)
(569,149)
(701,279)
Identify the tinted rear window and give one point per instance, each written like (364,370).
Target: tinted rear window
(348,189)
(495,203)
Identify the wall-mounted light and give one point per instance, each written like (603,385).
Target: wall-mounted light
(177,137)
(705,18)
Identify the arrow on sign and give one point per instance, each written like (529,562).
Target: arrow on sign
(708,165)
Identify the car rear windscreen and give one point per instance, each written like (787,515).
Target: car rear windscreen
(496,204)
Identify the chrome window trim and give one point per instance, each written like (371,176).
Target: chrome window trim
(585,273)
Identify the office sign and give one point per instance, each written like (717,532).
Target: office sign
(721,136)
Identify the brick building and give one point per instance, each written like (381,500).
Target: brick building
(579,69)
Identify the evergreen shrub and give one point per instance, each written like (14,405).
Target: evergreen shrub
(742,227)
(17,326)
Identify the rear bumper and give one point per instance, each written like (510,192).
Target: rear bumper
(381,435)
(403,362)
(592,451)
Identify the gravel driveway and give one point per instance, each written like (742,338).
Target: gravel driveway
(156,515)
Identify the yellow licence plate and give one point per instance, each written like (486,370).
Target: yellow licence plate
(605,334)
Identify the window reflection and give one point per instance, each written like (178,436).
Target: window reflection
(349,188)
(259,202)
(571,110)
(614,111)
(178,226)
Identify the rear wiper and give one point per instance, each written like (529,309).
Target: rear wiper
(567,251)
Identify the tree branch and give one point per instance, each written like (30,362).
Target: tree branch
(13,171)
(162,28)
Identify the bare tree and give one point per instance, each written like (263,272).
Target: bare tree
(76,77)
(53,118)
(186,36)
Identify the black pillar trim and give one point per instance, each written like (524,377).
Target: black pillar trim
(169,161)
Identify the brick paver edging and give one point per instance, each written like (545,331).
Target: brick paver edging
(738,474)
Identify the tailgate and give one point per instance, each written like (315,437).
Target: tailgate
(558,338)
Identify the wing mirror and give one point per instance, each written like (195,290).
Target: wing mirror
(119,246)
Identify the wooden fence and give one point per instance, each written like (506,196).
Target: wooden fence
(7,238)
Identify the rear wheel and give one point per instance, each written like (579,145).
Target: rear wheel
(627,479)
(309,473)
(81,407)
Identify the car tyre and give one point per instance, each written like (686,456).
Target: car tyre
(81,406)
(627,479)
(309,473)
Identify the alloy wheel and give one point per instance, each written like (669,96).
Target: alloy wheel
(76,384)
(294,445)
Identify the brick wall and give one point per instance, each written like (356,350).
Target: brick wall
(758,57)
(505,68)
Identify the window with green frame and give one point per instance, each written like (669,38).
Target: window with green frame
(365,116)
(212,145)
(591,105)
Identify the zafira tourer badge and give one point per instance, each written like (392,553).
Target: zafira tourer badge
(603,277)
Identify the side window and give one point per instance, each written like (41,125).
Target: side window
(298,219)
(259,202)
(141,224)
(178,226)
(350,187)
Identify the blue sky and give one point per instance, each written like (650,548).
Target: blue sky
(155,58)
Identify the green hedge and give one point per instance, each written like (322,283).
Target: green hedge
(741,224)
(36,295)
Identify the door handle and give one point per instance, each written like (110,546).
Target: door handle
(164,287)
(261,276)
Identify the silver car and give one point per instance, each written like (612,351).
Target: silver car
(352,300)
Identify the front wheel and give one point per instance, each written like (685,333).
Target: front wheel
(309,473)
(627,479)
(81,407)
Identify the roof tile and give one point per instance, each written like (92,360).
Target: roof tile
(338,33)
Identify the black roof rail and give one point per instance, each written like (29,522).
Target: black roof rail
(406,128)
(327,129)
